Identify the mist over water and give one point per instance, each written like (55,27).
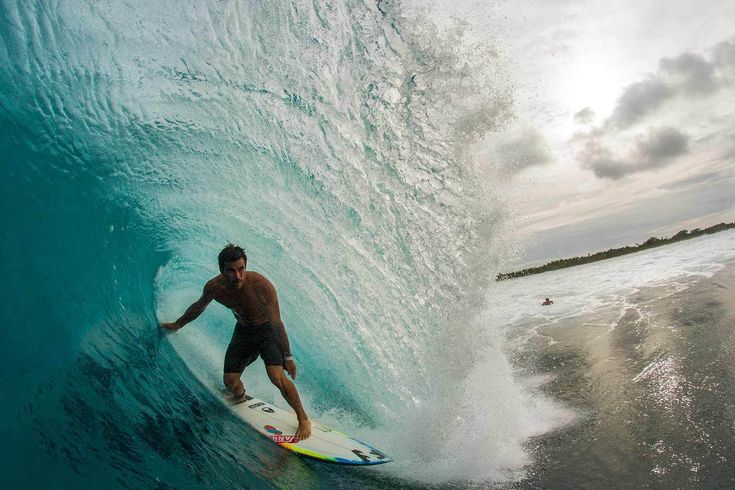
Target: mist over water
(331,141)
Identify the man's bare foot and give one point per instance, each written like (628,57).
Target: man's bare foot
(304,430)
(232,398)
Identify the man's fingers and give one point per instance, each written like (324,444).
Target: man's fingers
(291,369)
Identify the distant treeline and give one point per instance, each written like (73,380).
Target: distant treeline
(614,252)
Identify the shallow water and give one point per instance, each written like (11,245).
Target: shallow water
(653,386)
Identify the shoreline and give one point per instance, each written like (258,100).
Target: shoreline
(652,242)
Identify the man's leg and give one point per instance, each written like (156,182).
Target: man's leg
(240,353)
(289,392)
(234,384)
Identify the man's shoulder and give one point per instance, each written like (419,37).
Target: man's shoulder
(214,285)
(259,280)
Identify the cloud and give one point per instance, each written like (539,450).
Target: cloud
(691,73)
(682,84)
(657,149)
(637,100)
(724,55)
(661,145)
(585,116)
(598,158)
(688,74)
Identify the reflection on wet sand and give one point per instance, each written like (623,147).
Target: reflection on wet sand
(654,385)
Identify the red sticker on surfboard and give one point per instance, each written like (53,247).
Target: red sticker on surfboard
(279,438)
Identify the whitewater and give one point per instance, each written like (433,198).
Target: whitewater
(333,141)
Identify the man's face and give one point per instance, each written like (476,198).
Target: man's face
(234,273)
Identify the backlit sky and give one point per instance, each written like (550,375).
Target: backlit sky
(625,117)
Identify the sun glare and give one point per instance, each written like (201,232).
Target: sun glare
(590,82)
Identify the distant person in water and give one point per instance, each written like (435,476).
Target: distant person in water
(258,331)
(547,301)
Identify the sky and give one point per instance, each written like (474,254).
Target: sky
(624,115)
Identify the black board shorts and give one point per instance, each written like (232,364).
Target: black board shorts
(250,341)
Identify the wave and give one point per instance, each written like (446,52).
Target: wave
(334,143)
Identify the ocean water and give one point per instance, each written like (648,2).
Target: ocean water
(332,141)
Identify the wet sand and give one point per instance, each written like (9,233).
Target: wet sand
(654,386)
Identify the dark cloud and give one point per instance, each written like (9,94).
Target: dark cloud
(688,74)
(724,55)
(585,116)
(609,168)
(686,77)
(661,145)
(658,149)
(599,159)
(691,72)
(638,100)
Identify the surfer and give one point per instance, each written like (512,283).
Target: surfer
(546,302)
(258,331)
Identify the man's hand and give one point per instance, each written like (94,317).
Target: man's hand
(171,326)
(291,368)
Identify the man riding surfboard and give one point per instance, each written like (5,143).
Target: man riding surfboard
(259,330)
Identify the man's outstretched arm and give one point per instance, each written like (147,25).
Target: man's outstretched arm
(193,311)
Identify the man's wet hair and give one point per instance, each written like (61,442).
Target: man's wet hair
(231,253)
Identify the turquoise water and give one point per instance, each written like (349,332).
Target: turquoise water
(330,140)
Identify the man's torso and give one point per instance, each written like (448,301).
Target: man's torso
(249,303)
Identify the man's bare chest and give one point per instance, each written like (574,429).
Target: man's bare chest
(246,304)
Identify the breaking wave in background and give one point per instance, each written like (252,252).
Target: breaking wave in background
(333,142)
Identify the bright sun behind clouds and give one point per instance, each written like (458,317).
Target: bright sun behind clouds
(589,82)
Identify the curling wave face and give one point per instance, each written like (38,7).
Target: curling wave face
(330,141)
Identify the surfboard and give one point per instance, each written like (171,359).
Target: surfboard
(324,444)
